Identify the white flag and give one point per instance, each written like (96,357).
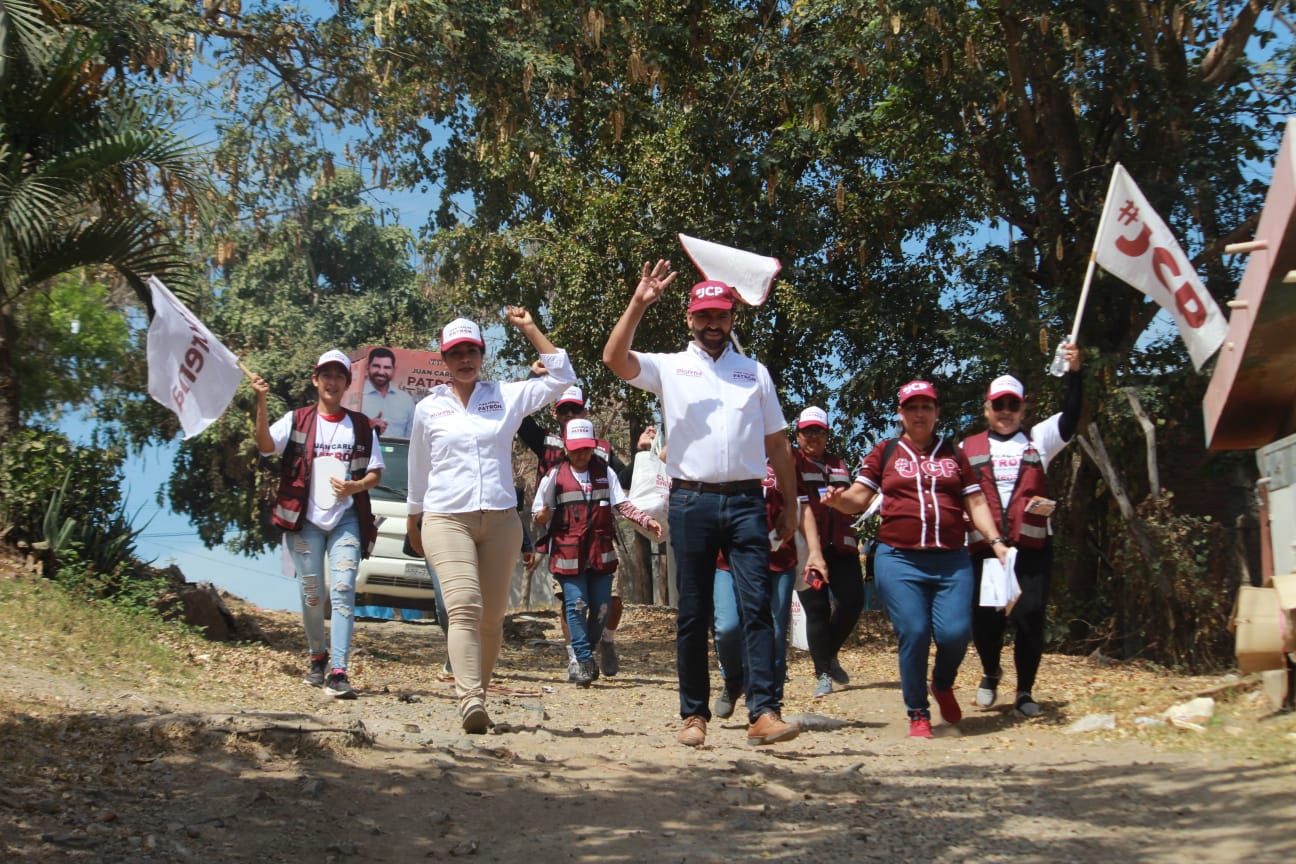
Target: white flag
(749,274)
(1136,246)
(190,371)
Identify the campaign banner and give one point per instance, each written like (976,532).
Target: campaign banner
(1136,246)
(189,370)
(386,384)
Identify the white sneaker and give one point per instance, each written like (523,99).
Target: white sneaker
(987,691)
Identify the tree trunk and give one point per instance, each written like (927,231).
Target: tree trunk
(9,420)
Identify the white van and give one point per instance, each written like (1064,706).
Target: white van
(389,577)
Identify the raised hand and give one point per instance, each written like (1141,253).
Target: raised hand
(653,282)
(518,316)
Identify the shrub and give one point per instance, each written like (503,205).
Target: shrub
(33,466)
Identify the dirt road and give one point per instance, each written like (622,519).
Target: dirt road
(244,763)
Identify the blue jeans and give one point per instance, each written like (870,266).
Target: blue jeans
(308,548)
(728,630)
(928,595)
(701,525)
(586,601)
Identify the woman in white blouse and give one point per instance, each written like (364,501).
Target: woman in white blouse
(461,482)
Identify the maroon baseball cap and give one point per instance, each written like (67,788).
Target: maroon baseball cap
(711,295)
(917,388)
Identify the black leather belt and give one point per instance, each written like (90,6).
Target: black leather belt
(734,487)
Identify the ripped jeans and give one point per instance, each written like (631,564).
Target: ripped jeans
(586,600)
(308,548)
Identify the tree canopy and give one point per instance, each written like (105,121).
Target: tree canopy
(929,173)
(85,166)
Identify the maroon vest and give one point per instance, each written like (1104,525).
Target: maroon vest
(295,471)
(583,526)
(1026,530)
(836,530)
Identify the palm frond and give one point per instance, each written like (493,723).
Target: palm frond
(25,36)
(133,242)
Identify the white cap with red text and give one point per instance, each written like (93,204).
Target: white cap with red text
(579,433)
(458,331)
(334,356)
(1005,385)
(571,396)
(812,416)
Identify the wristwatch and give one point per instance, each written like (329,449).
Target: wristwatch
(998,540)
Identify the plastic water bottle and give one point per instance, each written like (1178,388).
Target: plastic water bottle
(1059,366)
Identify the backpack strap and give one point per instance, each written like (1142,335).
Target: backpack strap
(887,453)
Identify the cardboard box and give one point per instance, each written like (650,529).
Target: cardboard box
(1275,687)
(1285,585)
(1258,642)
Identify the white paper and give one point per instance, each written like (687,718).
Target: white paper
(323,470)
(751,275)
(999,587)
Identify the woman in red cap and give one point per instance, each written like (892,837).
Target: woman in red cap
(923,570)
(461,482)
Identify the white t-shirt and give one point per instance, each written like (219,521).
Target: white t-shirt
(716,412)
(397,408)
(461,457)
(333,440)
(1006,456)
(547,489)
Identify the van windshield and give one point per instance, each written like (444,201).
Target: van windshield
(395,476)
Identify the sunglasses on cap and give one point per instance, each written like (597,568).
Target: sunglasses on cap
(569,408)
(1006,403)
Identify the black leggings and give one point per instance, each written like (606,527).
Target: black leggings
(1034,571)
(829,625)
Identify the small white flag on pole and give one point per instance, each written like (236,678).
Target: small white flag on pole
(189,370)
(1136,246)
(749,274)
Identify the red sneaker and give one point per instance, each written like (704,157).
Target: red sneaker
(919,727)
(949,708)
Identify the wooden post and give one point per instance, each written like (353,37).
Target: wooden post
(1149,434)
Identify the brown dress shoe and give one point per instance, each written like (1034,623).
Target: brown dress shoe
(769,728)
(694,732)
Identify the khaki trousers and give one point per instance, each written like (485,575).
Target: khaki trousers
(474,555)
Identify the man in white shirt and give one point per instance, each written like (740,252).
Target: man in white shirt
(390,409)
(722,419)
